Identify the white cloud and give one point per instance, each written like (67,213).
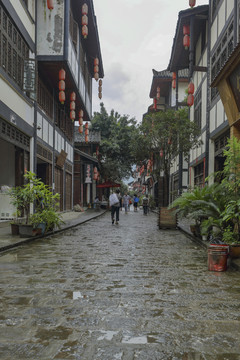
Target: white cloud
(136,36)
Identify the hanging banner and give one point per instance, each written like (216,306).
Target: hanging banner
(88,174)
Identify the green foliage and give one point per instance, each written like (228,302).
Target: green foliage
(170,131)
(217,205)
(35,192)
(116,149)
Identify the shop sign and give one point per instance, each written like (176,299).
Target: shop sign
(88,174)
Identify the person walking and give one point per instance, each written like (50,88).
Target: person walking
(114,202)
(126,199)
(135,202)
(145,204)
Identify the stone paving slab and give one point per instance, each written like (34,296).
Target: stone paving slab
(70,218)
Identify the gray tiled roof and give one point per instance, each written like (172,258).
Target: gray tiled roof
(168,74)
(94,136)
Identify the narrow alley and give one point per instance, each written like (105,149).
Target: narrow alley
(117,292)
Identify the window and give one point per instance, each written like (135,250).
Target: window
(221,54)
(198,109)
(13,48)
(199,175)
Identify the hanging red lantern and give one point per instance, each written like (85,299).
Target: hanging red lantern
(161,153)
(86,132)
(85,31)
(73,96)
(100,89)
(186,30)
(80,121)
(96,61)
(61,85)
(86,138)
(96,76)
(191,88)
(72,115)
(174,84)
(100,82)
(190,100)
(80,129)
(186,41)
(174,76)
(86,125)
(84,20)
(96,69)
(72,105)
(84,9)
(62,97)
(81,113)
(62,74)
(50,4)
(192,3)
(155,104)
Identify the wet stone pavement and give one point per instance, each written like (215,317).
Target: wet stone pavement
(117,292)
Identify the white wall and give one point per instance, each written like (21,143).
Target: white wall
(50,28)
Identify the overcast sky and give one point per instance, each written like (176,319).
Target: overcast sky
(136,36)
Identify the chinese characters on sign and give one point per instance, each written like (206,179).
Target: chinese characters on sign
(88,174)
(29,78)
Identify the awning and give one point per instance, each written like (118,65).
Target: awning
(108,184)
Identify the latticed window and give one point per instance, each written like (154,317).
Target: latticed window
(45,99)
(221,54)
(199,175)
(13,48)
(198,109)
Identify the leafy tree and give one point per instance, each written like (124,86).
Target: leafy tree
(164,135)
(117,133)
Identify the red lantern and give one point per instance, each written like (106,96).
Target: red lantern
(86,138)
(84,20)
(80,129)
(186,41)
(96,69)
(86,125)
(84,9)
(96,76)
(174,76)
(72,105)
(96,61)
(86,132)
(62,97)
(174,84)
(100,82)
(62,74)
(72,115)
(85,31)
(80,121)
(192,3)
(61,85)
(186,30)
(81,113)
(155,103)
(190,100)
(191,88)
(73,96)
(50,4)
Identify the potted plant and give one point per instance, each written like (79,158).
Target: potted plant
(34,193)
(16,222)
